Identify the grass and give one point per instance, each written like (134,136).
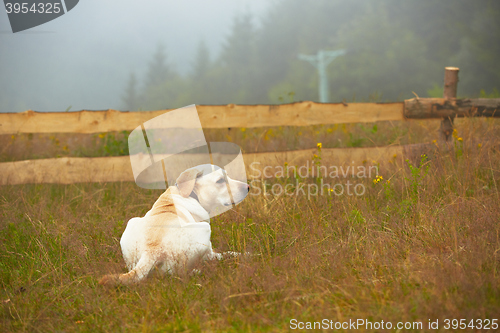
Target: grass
(270,139)
(422,243)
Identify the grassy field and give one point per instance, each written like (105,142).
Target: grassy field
(422,243)
(251,140)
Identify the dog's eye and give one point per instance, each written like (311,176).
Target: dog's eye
(221,180)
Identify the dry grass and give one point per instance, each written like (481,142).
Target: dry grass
(270,139)
(425,245)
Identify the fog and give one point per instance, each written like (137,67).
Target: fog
(83,59)
(131,55)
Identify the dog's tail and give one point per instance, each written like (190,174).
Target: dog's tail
(140,271)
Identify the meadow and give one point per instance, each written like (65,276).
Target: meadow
(422,244)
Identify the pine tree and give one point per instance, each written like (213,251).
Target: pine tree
(237,61)
(158,71)
(202,62)
(239,47)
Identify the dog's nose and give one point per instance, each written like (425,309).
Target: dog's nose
(248,188)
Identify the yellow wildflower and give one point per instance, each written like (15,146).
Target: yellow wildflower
(378,179)
(460,139)
(479,145)
(319,145)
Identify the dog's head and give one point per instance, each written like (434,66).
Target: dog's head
(210,185)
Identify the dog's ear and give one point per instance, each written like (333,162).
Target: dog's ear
(186,181)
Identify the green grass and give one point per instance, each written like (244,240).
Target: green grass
(422,243)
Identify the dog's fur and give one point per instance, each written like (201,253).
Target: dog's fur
(175,234)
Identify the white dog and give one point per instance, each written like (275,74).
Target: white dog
(175,234)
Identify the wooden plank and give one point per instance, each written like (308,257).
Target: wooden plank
(257,162)
(211,116)
(423,108)
(297,114)
(68,170)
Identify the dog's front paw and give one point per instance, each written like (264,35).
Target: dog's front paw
(236,254)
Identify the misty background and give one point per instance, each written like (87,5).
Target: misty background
(162,54)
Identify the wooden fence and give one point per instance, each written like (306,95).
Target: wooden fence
(68,170)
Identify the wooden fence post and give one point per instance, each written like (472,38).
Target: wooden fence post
(450,92)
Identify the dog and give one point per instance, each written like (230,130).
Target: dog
(175,234)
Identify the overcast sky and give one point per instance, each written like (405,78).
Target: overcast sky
(84,58)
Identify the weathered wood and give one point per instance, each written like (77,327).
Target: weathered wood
(424,108)
(450,82)
(449,93)
(211,116)
(68,170)
(256,162)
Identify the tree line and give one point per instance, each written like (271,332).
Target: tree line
(394,49)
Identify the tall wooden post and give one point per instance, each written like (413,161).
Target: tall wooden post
(450,92)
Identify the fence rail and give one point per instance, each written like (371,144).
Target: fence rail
(211,116)
(69,170)
(226,116)
(427,108)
